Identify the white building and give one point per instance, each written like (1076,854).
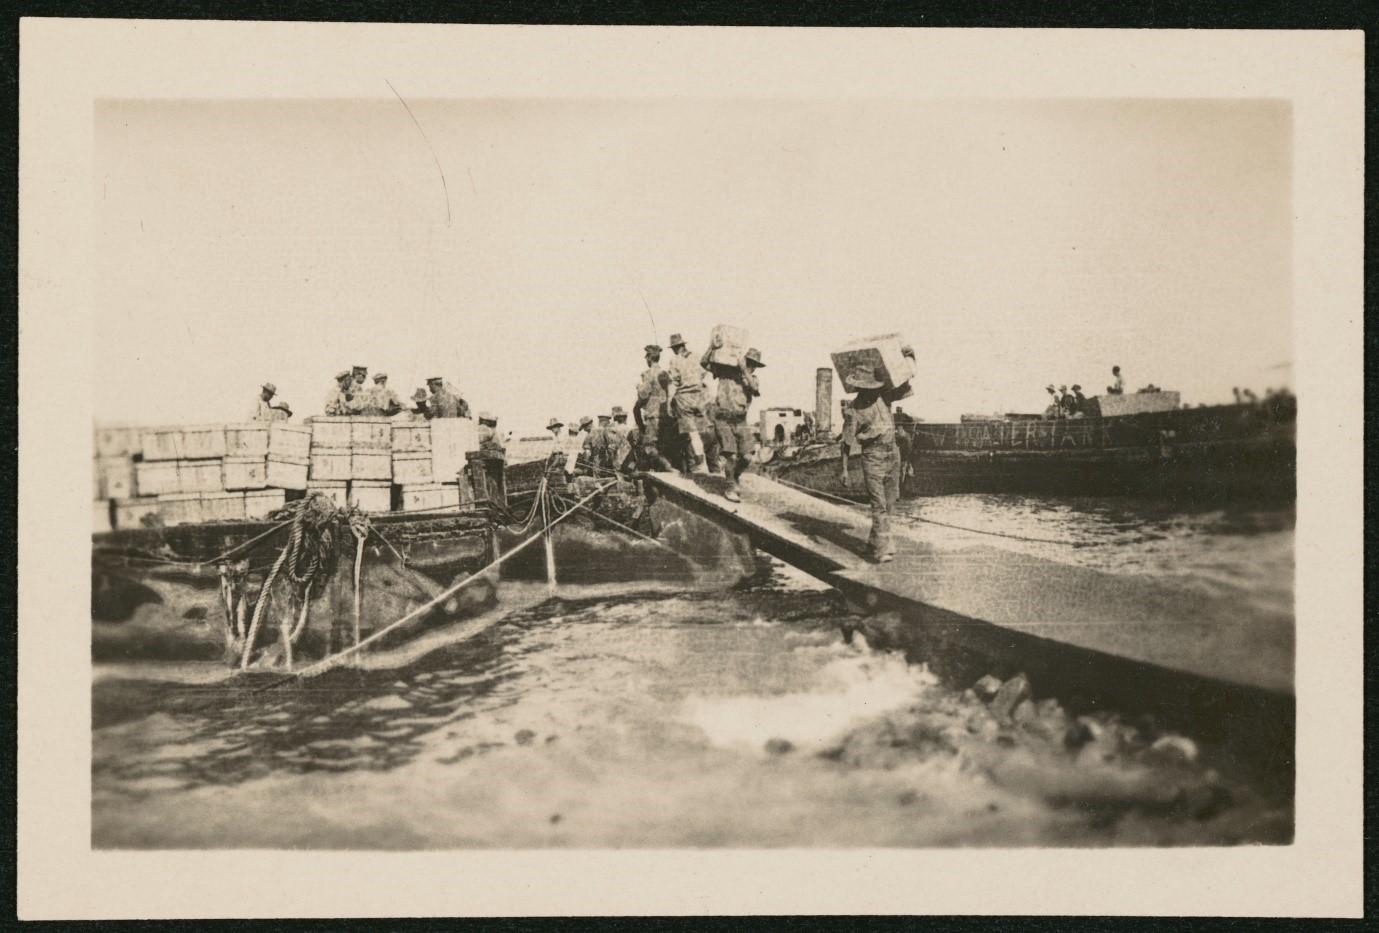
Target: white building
(778,425)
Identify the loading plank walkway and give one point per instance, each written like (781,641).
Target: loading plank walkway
(1147,628)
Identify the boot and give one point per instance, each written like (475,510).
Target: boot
(731,492)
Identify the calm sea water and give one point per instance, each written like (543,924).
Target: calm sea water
(657,718)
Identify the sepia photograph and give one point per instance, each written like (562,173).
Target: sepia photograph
(559,470)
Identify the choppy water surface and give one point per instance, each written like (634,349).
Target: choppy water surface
(688,719)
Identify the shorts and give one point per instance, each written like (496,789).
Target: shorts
(690,419)
(734,437)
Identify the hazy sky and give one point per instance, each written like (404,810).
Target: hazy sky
(1014,243)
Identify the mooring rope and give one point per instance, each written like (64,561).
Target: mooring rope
(326,664)
(933,521)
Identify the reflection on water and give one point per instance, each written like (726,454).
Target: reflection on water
(652,719)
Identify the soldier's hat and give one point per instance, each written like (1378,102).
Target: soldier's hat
(419,395)
(754,357)
(1062,388)
(487,416)
(1077,388)
(270,387)
(283,406)
(585,421)
(554,423)
(342,374)
(676,341)
(360,369)
(863,377)
(379,377)
(603,417)
(619,412)
(653,348)
(434,379)
(1049,387)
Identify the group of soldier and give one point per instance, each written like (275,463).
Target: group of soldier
(352,395)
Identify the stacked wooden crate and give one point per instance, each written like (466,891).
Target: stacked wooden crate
(429,462)
(351,461)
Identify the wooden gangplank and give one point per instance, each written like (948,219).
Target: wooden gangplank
(1081,624)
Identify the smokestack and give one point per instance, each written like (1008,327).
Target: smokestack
(823,400)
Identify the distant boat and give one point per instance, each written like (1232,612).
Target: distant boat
(1142,444)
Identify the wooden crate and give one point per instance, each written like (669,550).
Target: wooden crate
(734,345)
(116,442)
(369,433)
(451,439)
(203,442)
(371,465)
(116,477)
(875,353)
(335,490)
(222,506)
(100,516)
(246,472)
(412,468)
(157,478)
(330,464)
(410,436)
(130,513)
(160,444)
(247,440)
(420,497)
(331,432)
(287,472)
(180,508)
(289,441)
(200,475)
(260,503)
(371,495)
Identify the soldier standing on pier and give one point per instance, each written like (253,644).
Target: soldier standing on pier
(737,386)
(650,410)
(686,404)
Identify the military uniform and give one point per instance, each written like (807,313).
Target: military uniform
(263,411)
(651,410)
(686,407)
(339,400)
(737,386)
(871,432)
(442,404)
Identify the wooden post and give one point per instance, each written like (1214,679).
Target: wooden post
(549,543)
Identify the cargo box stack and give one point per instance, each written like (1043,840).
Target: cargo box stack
(451,440)
(351,461)
(113,476)
(182,466)
(289,455)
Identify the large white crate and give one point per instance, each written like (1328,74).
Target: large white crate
(130,513)
(180,508)
(247,440)
(203,442)
(246,472)
(160,444)
(411,436)
(289,441)
(371,433)
(371,465)
(331,431)
(412,468)
(451,439)
(200,475)
(113,441)
(157,478)
(1110,406)
(335,490)
(260,503)
(420,497)
(371,495)
(287,472)
(222,506)
(331,464)
(875,353)
(116,477)
(734,345)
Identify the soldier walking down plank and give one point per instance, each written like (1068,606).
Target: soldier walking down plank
(650,410)
(737,386)
(872,436)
